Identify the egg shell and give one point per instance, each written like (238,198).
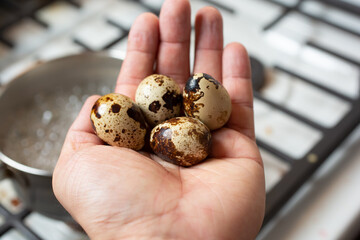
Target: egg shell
(206,99)
(183,141)
(118,121)
(159,97)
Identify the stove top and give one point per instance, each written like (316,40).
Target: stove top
(306,77)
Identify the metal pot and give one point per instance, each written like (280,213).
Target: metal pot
(34,185)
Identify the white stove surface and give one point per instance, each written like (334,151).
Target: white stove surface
(328,206)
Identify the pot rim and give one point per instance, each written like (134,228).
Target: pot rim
(36,171)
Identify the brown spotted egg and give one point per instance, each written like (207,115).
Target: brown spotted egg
(183,141)
(159,98)
(206,99)
(118,121)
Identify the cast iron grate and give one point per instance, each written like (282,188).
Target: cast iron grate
(12,12)
(301,169)
(16,221)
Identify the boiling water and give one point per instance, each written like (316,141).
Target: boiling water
(38,130)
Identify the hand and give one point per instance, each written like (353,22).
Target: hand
(118,193)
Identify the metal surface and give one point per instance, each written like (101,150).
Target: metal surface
(34,185)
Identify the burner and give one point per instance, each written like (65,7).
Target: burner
(257,73)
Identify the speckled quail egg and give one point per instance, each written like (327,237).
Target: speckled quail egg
(118,121)
(159,98)
(183,141)
(206,99)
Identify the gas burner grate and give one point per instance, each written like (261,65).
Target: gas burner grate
(16,221)
(301,169)
(11,12)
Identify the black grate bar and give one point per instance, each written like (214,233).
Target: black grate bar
(287,9)
(109,45)
(151,9)
(315,45)
(359,89)
(112,43)
(290,113)
(279,154)
(20,12)
(27,232)
(80,43)
(6,42)
(74,3)
(39,21)
(277,19)
(305,167)
(115,24)
(15,221)
(4,212)
(348,30)
(297,9)
(4,228)
(124,35)
(314,84)
(342,5)
(8,4)
(284,5)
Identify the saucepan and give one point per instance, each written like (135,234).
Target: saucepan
(36,110)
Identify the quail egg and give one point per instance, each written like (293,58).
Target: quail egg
(118,121)
(206,99)
(159,98)
(183,141)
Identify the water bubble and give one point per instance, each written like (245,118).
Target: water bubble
(84,97)
(40,133)
(46,117)
(53,136)
(24,143)
(38,146)
(73,99)
(68,107)
(104,90)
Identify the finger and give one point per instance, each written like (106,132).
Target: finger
(173,55)
(209,42)
(141,54)
(81,133)
(237,81)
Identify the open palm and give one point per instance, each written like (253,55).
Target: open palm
(120,193)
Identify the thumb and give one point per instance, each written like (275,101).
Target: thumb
(80,136)
(81,133)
